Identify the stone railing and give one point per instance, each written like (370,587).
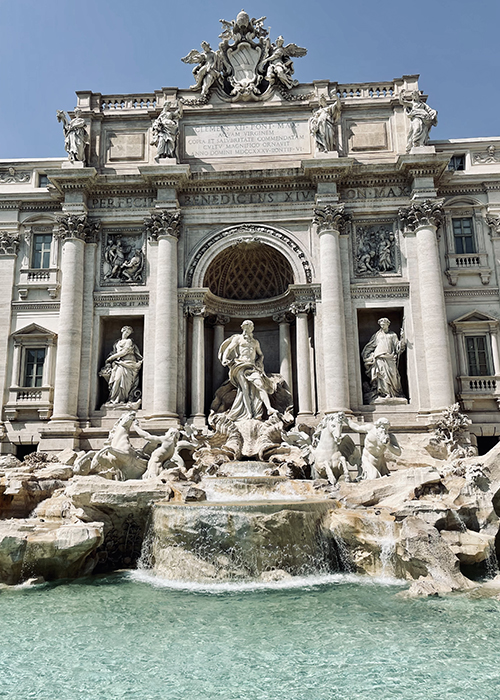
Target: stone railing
(463,263)
(367,91)
(125,103)
(24,400)
(473,388)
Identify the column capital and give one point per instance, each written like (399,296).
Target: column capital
(77,226)
(304,307)
(331,218)
(426,214)
(195,310)
(9,242)
(282,317)
(163,223)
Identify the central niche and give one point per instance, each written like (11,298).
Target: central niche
(248,271)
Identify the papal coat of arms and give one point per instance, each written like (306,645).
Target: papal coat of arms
(247,65)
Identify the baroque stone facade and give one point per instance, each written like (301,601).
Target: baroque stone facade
(315,210)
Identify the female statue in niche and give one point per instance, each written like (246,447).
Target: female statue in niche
(121,370)
(322,125)
(380,356)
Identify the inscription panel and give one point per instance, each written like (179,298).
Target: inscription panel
(232,198)
(246,139)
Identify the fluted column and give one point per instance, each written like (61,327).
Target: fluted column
(198,314)
(73,230)
(218,371)
(330,224)
(424,218)
(283,322)
(164,227)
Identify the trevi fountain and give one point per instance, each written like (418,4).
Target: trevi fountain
(246,461)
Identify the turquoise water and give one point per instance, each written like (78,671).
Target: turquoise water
(127,636)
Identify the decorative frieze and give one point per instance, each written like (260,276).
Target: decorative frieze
(163,223)
(331,217)
(9,243)
(13,176)
(484,157)
(422,214)
(103,300)
(386,291)
(77,226)
(123,258)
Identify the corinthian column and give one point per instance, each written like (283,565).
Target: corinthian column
(74,230)
(218,371)
(330,224)
(164,227)
(282,319)
(424,218)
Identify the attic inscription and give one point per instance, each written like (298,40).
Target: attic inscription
(250,139)
(231,198)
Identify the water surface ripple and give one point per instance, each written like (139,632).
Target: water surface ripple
(332,637)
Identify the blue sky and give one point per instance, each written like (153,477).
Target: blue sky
(51,48)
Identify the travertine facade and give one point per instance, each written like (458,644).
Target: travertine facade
(315,210)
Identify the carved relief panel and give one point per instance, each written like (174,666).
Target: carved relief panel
(122,257)
(375,249)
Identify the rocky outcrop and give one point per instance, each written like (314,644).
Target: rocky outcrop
(33,548)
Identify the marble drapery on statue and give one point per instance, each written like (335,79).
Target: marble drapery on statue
(322,125)
(422,118)
(380,356)
(76,137)
(242,354)
(165,131)
(121,370)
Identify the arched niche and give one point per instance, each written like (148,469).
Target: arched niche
(248,234)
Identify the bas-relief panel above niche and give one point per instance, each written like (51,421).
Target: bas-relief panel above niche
(123,260)
(375,249)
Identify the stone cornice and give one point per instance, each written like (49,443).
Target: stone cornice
(69,180)
(159,176)
(327,169)
(425,165)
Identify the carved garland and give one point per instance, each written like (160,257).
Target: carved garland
(249,228)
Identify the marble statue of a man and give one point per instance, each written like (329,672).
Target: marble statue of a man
(380,356)
(121,370)
(378,440)
(244,357)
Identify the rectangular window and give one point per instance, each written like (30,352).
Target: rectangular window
(41,250)
(463,235)
(33,366)
(477,356)
(457,163)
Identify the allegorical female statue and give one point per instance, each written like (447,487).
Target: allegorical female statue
(380,356)
(322,125)
(76,137)
(121,370)
(165,131)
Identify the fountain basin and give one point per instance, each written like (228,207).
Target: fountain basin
(240,540)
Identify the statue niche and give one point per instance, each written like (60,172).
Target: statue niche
(121,364)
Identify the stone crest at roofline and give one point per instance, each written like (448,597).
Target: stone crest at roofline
(246,66)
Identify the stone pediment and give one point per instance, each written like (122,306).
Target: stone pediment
(33,331)
(475,321)
(475,317)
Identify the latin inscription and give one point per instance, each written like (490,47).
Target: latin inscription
(250,139)
(229,198)
(375,192)
(121,202)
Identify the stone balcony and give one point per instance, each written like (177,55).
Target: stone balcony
(39,278)
(465,264)
(29,400)
(472,389)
